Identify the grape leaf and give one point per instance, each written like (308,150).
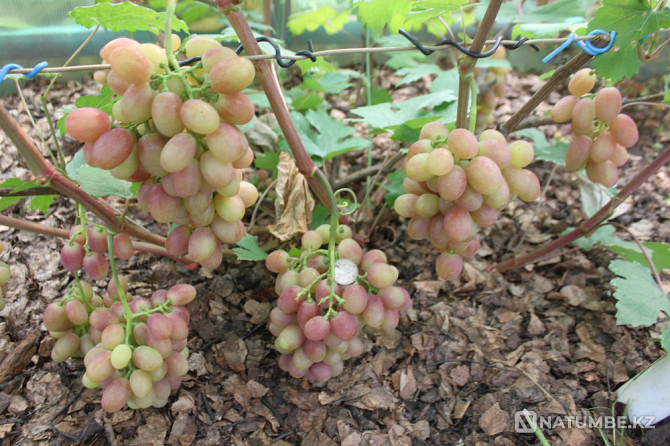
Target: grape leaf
(320,216)
(394,187)
(639,299)
(249,249)
(632,20)
(665,338)
(97,182)
(40,203)
(376,14)
(306,101)
(102,101)
(427,10)
(416,72)
(388,116)
(604,236)
(126,16)
(332,21)
(531,13)
(330,139)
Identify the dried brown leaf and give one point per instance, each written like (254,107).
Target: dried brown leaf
(294,202)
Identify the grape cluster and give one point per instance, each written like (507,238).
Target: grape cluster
(4,278)
(86,249)
(133,348)
(493,89)
(177,134)
(318,317)
(456,184)
(601,133)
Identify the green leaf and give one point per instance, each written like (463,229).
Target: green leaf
(103,101)
(394,187)
(380,95)
(337,81)
(320,215)
(416,72)
(545,150)
(632,20)
(41,203)
(268,161)
(639,297)
(6,202)
(376,14)
(323,136)
(97,182)
(332,21)
(249,249)
(665,338)
(446,81)
(389,116)
(427,10)
(546,30)
(126,16)
(306,101)
(552,12)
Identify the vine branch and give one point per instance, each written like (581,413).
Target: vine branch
(270,83)
(48,175)
(586,227)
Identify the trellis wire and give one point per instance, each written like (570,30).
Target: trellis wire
(334,52)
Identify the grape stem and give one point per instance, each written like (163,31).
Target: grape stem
(334,223)
(169,13)
(467,63)
(119,288)
(589,225)
(270,84)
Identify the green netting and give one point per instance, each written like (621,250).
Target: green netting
(24,14)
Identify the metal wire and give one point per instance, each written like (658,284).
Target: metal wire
(312,55)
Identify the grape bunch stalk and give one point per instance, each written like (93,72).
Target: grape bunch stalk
(326,296)
(133,348)
(456,183)
(601,133)
(175,130)
(491,89)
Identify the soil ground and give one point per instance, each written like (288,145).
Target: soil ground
(465,359)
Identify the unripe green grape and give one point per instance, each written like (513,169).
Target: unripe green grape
(121,356)
(521,152)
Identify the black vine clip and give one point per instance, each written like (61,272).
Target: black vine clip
(307,53)
(464,50)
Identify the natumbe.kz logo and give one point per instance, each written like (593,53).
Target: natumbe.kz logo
(527,421)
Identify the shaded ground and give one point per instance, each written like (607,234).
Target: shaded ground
(465,359)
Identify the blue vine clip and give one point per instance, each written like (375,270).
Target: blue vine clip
(588,47)
(12,66)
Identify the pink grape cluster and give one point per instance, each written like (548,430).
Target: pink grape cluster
(317,321)
(178,135)
(137,361)
(4,278)
(456,184)
(492,90)
(601,133)
(87,247)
